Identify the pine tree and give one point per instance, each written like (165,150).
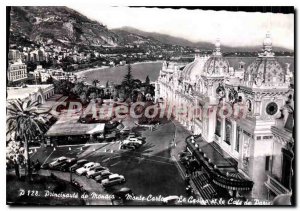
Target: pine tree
(49,80)
(127,83)
(147,81)
(128,77)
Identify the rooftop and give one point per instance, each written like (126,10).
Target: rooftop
(68,125)
(24,92)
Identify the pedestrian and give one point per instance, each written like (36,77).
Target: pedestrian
(16,165)
(188,189)
(187,179)
(187,171)
(32,166)
(37,165)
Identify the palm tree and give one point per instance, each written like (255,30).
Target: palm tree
(78,88)
(25,123)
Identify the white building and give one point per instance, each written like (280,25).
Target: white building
(62,75)
(258,146)
(39,93)
(56,74)
(41,73)
(17,71)
(14,55)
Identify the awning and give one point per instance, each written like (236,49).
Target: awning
(220,170)
(70,126)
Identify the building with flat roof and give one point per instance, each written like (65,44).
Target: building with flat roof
(17,71)
(69,125)
(14,55)
(39,93)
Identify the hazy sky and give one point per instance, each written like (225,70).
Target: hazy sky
(233,28)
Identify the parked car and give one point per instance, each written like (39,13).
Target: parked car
(132,135)
(137,140)
(65,166)
(132,143)
(141,138)
(103,175)
(58,161)
(113,180)
(86,167)
(123,193)
(171,200)
(131,146)
(124,131)
(78,165)
(95,171)
(111,136)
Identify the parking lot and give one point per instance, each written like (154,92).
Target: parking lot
(148,170)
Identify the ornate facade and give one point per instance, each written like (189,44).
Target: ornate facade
(239,111)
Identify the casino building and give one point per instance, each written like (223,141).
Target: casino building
(250,151)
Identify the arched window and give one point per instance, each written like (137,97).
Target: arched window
(39,99)
(218,127)
(228,129)
(249,105)
(240,99)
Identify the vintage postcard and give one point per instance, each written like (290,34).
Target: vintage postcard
(144,106)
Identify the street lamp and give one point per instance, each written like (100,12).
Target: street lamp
(70,176)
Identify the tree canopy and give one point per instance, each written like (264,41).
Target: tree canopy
(24,123)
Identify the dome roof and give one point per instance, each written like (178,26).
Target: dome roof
(194,69)
(265,70)
(216,65)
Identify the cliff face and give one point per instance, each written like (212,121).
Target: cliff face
(59,24)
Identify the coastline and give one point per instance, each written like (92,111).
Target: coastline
(81,73)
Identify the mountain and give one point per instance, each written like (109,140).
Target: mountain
(164,38)
(168,39)
(59,24)
(64,26)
